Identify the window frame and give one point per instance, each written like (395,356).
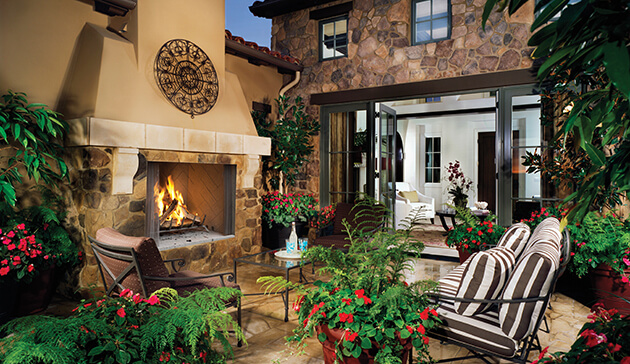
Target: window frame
(433,152)
(449,26)
(321,36)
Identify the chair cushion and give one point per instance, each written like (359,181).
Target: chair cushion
(149,260)
(515,238)
(449,284)
(484,278)
(482,330)
(336,241)
(342,210)
(548,229)
(412,196)
(532,277)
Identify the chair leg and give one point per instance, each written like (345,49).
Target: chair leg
(238,320)
(432,221)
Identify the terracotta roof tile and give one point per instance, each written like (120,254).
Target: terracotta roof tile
(228,35)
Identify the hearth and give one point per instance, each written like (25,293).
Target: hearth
(190,203)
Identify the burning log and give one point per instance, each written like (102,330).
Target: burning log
(171,207)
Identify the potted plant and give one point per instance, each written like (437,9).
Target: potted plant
(128,329)
(323,220)
(458,184)
(291,141)
(601,250)
(280,210)
(366,312)
(605,339)
(473,233)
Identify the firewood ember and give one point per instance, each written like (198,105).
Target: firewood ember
(171,207)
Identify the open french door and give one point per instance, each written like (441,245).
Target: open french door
(386,147)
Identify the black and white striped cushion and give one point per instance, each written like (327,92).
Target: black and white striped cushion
(532,277)
(515,238)
(450,282)
(484,278)
(548,229)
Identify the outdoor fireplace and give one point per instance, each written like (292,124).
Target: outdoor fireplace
(190,203)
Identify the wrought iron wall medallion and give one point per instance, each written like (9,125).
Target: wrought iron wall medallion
(186,77)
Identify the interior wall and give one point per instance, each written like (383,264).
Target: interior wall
(458,135)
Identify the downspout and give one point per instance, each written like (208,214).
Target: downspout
(291,84)
(282,91)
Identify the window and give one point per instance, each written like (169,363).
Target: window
(433,160)
(333,38)
(431,20)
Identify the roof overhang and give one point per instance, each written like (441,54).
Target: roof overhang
(272,8)
(257,57)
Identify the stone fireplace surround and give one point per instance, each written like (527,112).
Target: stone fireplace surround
(108,171)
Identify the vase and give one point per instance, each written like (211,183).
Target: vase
(274,237)
(367,355)
(460,201)
(609,288)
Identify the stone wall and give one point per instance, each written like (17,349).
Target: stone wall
(380,51)
(93,207)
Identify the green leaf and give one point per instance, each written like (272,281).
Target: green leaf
(97,350)
(486,12)
(356,351)
(550,11)
(617,62)
(556,57)
(404,334)
(366,343)
(598,158)
(322,337)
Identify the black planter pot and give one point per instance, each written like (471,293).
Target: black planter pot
(9,289)
(274,237)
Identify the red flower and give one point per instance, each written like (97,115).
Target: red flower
(30,268)
(346,317)
(153,300)
(410,329)
(424,315)
(479,232)
(11,247)
(426,340)
(4,271)
(121,312)
(433,312)
(126,293)
(421,330)
(625,360)
(346,300)
(350,336)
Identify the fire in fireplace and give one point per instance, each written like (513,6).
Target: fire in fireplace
(193,203)
(172,210)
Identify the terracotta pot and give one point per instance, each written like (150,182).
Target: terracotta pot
(463,255)
(367,356)
(609,289)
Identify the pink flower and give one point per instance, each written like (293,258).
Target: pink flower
(4,271)
(21,227)
(121,312)
(11,247)
(126,293)
(137,299)
(30,268)
(153,300)
(627,261)
(11,234)
(625,360)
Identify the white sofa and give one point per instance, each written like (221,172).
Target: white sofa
(406,207)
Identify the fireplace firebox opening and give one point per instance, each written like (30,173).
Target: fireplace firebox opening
(190,203)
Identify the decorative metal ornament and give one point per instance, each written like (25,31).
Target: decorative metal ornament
(186,77)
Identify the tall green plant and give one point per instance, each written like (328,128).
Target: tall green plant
(291,139)
(587,48)
(30,138)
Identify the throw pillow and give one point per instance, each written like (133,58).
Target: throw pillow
(412,196)
(515,238)
(484,278)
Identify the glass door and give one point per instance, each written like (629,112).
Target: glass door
(386,166)
(347,155)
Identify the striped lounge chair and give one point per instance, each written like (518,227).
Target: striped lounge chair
(494,303)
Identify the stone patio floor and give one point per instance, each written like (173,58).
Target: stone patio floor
(265,329)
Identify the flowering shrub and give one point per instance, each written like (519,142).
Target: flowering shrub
(324,217)
(127,329)
(366,297)
(458,184)
(286,208)
(600,239)
(605,339)
(474,234)
(33,240)
(538,216)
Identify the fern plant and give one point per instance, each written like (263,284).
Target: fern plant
(367,296)
(128,329)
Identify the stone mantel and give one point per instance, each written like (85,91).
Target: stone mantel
(91,131)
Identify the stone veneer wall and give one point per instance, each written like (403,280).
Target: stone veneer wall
(95,207)
(379,51)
